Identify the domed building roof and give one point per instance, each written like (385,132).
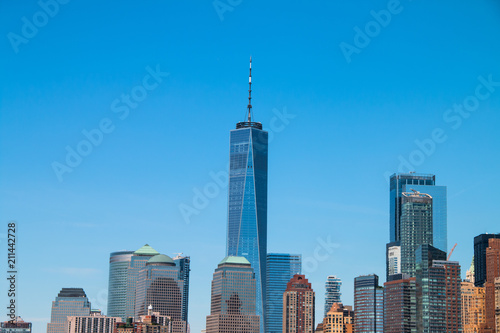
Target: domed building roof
(161,259)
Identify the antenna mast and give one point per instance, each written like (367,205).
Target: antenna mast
(250,93)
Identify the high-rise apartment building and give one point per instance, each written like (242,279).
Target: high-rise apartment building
(497,304)
(492,272)
(93,323)
(481,243)
(368,304)
(119,263)
(159,284)
(332,292)
(400,306)
(233,299)
(69,302)
(281,267)
(393,261)
(339,319)
(247,206)
(298,306)
(473,307)
(423,183)
(15,326)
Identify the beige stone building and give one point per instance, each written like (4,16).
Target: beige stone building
(473,308)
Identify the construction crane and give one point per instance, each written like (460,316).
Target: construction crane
(453,248)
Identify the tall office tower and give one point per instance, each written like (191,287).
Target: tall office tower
(368,304)
(137,263)
(233,306)
(424,183)
(332,292)
(281,267)
(298,306)
(438,292)
(93,323)
(473,307)
(492,272)
(184,264)
(400,306)
(416,227)
(481,242)
(69,302)
(159,284)
(117,287)
(339,319)
(247,207)
(15,326)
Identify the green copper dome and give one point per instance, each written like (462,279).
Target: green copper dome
(146,250)
(161,259)
(235,260)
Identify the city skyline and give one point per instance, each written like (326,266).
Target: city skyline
(337,130)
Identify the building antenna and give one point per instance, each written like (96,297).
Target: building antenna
(250,92)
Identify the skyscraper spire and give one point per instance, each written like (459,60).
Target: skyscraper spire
(250,93)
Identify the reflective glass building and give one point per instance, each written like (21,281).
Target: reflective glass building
(184,263)
(424,183)
(332,292)
(233,307)
(368,305)
(247,207)
(117,285)
(159,284)
(416,227)
(281,267)
(69,302)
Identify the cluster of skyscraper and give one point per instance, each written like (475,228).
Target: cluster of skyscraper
(255,292)
(140,282)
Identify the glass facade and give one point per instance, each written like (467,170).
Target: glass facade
(233,307)
(117,286)
(332,292)
(184,264)
(439,213)
(416,228)
(247,206)
(368,305)
(137,263)
(431,290)
(400,306)
(424,183)
(159,284)
(281,267)
(69,302)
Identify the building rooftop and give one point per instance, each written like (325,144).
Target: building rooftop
(146,250)
(161,259)
(235,260)
(71,292)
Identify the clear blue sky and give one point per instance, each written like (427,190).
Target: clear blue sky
(353,123)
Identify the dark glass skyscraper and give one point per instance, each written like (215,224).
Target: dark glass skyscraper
(368,305)
(424,183)
(247,206)
(281,267)
(480,246)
